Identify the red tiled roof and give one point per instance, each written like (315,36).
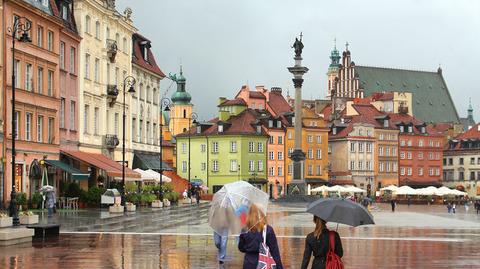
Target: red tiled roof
(234,102)
(113,168)
(382,96)
(439,128)
(137,58)
(257,95)
(473,133)
(278,104)
(327,112)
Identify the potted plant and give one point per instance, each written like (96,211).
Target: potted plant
(5,220)
(27,218)
(130,207)
(37,198)
(21,199)
(116,208)
(131,200)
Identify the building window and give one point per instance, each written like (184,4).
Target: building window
(203,147)
(271,140)
(233,165)
(280,171)
(85,119)
(87,66)
(420,143)
(62,112)
(352,165)
(472,160)
(360,147)
(184,166)
(233,146)
(251,166)
(290,151)
(402,171)
(409,171)
(388,167)
(260,166)
(319,170)
(50,40)
(271,171)
(437,171)
(310,139)
(140,131)
(251,146)
(134,130)
(97,29)
(290,169)
(72,60)
(40,129)
(125,45)
(271,155)
(184,148)
(472,175)
(87,24)
(96,71)
(310,170)
(461,176)
(409,155)
(381,136)
(369,147)
(420,171)
(280,155)
(50,130)
(215,166)
(260,147)
(116,124)
(290,135)
(319,139)
(430,171)
(352,146)
(28,77)
(420,155)
(319,154)
(394,167)
(380,151)
(215,147)
(402,155)
(402,143)
(280,140)
(96,117)
(360,165)
(380,166)
(430,156)
(40,80)
(460,161)
(310,153)
(28,126)
(50,83)
(368,165)
(40,36)
(62,55)
(430,143)
(204,166)
(72,115)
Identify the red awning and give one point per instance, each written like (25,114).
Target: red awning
(111,167)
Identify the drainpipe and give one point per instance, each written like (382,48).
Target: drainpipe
(208,161)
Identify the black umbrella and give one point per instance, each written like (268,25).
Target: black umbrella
(340,211)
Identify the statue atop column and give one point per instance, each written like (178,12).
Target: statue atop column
(298,46)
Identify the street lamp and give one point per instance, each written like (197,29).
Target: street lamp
(20,25)
(164,102)
(131,83)
(193,117)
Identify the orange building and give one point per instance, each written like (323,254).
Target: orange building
(37,90)
(314,145)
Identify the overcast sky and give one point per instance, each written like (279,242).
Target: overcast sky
(224,44)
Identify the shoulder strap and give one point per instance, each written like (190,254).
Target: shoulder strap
(332,240)
(265,234)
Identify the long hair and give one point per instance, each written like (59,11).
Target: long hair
(320,225)
(256,219)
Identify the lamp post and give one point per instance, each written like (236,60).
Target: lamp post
(193,117)
(131,83)
(164,102)
(20,25)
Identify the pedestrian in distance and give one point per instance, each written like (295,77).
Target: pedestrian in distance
(467,207)
(257,232)
(317,244)
(392,204)
(453,208)
(477,206)
(221,244)
(197,195)
(449,208)
(185,194)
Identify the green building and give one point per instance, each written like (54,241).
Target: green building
(229,148)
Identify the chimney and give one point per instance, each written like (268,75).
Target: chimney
(259,88)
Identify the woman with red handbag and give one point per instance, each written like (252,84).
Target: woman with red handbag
(318,243)
(259,243)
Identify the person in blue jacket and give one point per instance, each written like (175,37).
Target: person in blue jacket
(249,242)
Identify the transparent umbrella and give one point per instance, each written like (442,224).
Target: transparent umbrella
(230,206)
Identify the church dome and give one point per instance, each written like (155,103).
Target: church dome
(180,97)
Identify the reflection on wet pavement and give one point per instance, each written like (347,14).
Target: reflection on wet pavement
(188,242)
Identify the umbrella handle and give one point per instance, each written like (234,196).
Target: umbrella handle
(337,227)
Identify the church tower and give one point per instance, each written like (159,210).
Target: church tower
(333,68)
(181,109)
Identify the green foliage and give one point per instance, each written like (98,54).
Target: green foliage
(21,198)
(93,196)
(37,198)
(132,198)
(148,188)
(73,190)
(147,198)
(171,196)
(167,187)
(130,187)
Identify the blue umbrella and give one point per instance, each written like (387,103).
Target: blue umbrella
(340,211)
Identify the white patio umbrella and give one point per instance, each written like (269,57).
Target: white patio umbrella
(156,176)
(353,189)
(338,188)
(405,190)
(431,190)
(144,176)
(389,188)
(322,189)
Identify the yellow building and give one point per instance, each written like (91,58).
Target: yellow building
(315,147)
(181,108)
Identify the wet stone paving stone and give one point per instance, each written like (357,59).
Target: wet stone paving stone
(412,237)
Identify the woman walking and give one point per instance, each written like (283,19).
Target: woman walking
(318,243)
(250,241)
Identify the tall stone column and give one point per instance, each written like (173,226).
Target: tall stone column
(298,185)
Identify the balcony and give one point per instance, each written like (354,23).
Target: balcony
(111,141)
(112,49)
(112,93)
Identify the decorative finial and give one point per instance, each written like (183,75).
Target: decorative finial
(181,69)
(335,43)
(298,46)
(301,36)
(346,46)
(470,104)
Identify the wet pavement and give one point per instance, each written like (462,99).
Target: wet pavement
(412,237)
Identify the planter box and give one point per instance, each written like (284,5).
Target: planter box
(131,207)
(166,203)
(27,220)
(186,201)
(6,222)
(157,204)
(116,209)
